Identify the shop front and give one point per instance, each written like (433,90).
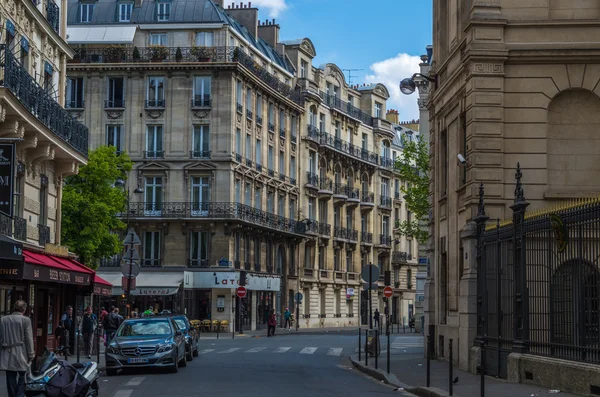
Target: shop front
(210,295)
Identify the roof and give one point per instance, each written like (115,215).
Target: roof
(293,42)
(367,87)
(400,132)
(182,11)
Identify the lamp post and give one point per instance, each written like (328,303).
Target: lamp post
(129,240)
(409,85)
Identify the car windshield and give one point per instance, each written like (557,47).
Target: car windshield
(181,322)
(150,327)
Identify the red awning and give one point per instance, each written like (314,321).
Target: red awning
(101,286)
(44,267)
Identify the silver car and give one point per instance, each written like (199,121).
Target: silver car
(146,342)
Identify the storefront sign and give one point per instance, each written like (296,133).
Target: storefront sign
(7,172)
(59,250)
(11,271)
(160,291)
(220,302)
(230,280)
(45,273)
(102,290)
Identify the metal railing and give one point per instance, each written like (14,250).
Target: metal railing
(78,104)
(40,103)
(199,154)
(216,210)
(114,103)
(345,107)
(324,229)
(53,15)
(341,189)
(326,184)
(154,103)
(386,162)
(20,231)
(385,240)
(44,235)
(312,178)
(399,257)
(154,154)
(328,140)
(199,263)
(345,233)
(249,114)
(151,262)
(385,201)
(367,197)
(239,107)
(201,101)
(113,261)
(258,120)
(366,237)
(353,193)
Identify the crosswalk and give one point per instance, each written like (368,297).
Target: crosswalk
(308,350)
(404,342)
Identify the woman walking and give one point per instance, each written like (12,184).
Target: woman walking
(272,323)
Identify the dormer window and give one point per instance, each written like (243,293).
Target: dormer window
(86,12)
(303,68)
(125,12)
(163,11)
(378,110)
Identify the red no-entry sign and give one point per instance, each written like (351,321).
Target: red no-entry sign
(388,292)
(241,292)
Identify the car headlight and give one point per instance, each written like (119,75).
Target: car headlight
(164,348)
(112,349)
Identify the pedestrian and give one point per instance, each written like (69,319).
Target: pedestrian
(376,317)
(272,323)
(16,348)
(87,330)
(288,319)
(67,324)
(149,312)
(112,321)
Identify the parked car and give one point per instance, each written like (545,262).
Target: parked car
(191,336)
(146,342)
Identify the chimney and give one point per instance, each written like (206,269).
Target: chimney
(392,116)
(269,32)
(137,3)
(245,15)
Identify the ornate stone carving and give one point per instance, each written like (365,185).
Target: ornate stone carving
(249,124)
(379,91)
(487,68)
(200,114)
(154,113)
(111,114)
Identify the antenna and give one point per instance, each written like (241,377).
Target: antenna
(350,74)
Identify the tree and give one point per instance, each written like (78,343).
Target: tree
(413,166)
(91,203)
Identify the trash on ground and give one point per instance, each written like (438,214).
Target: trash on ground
(553,391)
(420,365)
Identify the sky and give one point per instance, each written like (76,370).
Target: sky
(383,38)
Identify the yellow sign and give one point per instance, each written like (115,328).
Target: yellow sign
(54,249)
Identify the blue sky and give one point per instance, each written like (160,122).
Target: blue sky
(383,37)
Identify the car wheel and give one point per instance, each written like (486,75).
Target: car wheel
(195,354)
(111,372)
(189,356)
(183,362)
(175,366)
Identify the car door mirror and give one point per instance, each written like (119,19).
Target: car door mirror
(178,333)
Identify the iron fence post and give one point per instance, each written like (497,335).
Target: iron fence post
(482,370)
(450,369)
(480,220)
(388,352)
(359,346)
(520,301)
(428,354)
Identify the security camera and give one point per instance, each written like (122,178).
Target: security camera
(461,159)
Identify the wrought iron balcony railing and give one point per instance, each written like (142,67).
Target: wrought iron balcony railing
(294,138)
(247,266)
(385,240)
(282,132)
(385,201)
(75,104)
(44,235)
(345,107)
(324,229)
(201,101)
(151,262)
(249,114)
(258,120)
(237,264)
(215,210)
(199,263)
(399,257)
(312,132)
(345,233)
(271,127)
(249,162)
(154,104)
(239,107)
(312,178)
(257,267)
(40,103)
(366,238)
(386,162)
(113,261)
(367,197)
(154,154)
(328,140)
(397,195)
(326,184)
(353,193)
(5,225)
(199,154)
(20,232)
(114,103)
(341,189)
(53,15)
(238,157)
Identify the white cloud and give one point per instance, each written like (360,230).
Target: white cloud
(274,7)
(389,72)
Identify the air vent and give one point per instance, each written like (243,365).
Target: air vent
(528,375)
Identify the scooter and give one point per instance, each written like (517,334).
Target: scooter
(56,378)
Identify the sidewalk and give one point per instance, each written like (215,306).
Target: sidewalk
(411,372)
(301,331)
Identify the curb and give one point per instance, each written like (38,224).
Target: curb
(391,379)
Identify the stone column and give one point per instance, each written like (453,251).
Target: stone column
(485,9)
(467,303)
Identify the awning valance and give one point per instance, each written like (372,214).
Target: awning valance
(41,267)
(101,286)
(147,283)
(101,35)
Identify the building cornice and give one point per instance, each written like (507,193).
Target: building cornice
(44,25)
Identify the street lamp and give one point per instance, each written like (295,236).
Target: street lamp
(137,190)
(409,85)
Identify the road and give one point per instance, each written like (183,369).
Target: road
(286,365)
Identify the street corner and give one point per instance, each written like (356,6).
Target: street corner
(381,375)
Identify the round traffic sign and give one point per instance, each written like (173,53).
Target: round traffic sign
(298,297)
(388,292)
(370,273)
(241,292)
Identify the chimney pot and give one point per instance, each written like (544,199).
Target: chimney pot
(273,21)
(249,4)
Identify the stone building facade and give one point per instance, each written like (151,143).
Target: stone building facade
(516,82)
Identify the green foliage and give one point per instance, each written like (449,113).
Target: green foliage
(90,203)
(413,166)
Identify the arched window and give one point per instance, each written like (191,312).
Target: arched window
(338,174)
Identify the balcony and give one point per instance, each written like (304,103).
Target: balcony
(397,196)
(238,157)
(199,154)
(385,240)
(312,179)
(201,101)
(366,238)
(258,120)
(385,202)
(239,108)
(154,104)
(353,196)
(249,114)
(341,190)
(312,133)
(215,211)
(20,232)
(114,261)
(43,235)
(271,127)
(367,201)
(75,104)
(41,104)
(114,104)
(325,186)
(259,167)
(330,141)
(269,268)
(345,107)
(282,132)
(154,154)
(247,266)
(324,229)
(199,263)
(345,233)
(249,162)
(399,257)
(53,15)
(294,138)
(386,162)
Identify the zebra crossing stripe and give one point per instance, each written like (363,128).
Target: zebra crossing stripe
(282,349)
(233,349)
(308,350)
(206,351)
(335,351)
(255,349)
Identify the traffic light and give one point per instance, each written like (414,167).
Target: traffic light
(388,278)
(242,278)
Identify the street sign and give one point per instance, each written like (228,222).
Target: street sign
(135,270)
(131,254)
(132,238)
(298,297)
(388,292)
(241,292)
(370,271)
(224,262)
(125,280)
(423,260)
(374,286)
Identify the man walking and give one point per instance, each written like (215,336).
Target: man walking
(112,321)
(288,319)
(376,317)
(16,348)
(87,329)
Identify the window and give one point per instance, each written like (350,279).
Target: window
(43,218)
(308,257)
(249,101)
(385,189)
(303,69)
(349,263)
(248,194)
(74,98)
(281,206)
(336,216)
(336,261)
(87,10)
(156,92)
(258,157)
(202,86)
(350,218)
(125,12)
(336,92)
(270,158)
(282,120)
(199,248)
(204,39)
(292,209)
(258,197)
(351,100)
(443,163)
(293,169)
(385,225)
(249,147)
(321,122)
(238,141)
(259,110)
(201,142)
(378,110)
(271,117)
(239,94)
(281,163)
(312,162)
(237,190)
(294,127)
(153,195)
(270,203)
(312,206)
(363,224)
(163,11)
(200,195)
(321,258)
(24,55)
(365,142)
(113,136)
(329,89)
(116,96)
(338,130)
(152,248)
(158,39)
(408,278)
(154,141)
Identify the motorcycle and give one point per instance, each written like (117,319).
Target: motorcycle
(55,378)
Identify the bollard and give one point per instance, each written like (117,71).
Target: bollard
(218,326)
(450,369)
(366,347)
(359,347)
(388,353)
(428,360)
(376,348)
(482,370)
